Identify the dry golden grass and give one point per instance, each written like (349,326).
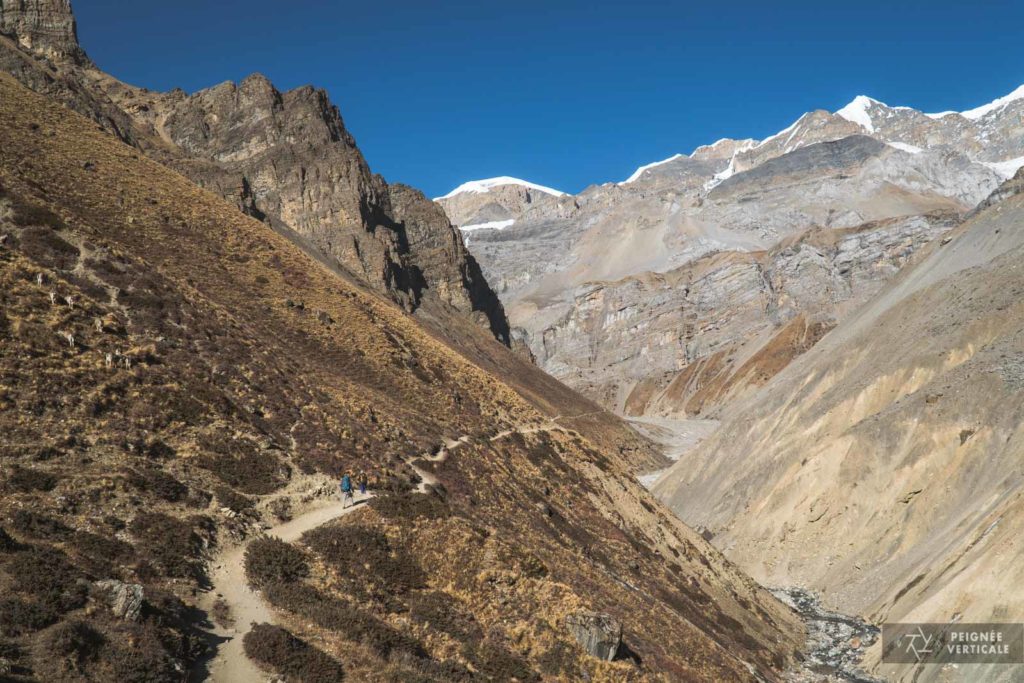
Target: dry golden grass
(250,362)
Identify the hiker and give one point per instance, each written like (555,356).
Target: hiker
(362,484)
(346,490)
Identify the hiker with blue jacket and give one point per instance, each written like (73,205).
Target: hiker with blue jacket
(346,490)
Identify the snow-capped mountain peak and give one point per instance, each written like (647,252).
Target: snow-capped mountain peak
(487,184)
(857,112)
(640,171)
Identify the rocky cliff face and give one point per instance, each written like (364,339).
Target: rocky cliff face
(285,158)
(693,339)
(44,27)
(600,290)
(644,283)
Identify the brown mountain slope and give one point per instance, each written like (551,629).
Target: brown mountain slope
(883,467)
(285,158)
(241,367)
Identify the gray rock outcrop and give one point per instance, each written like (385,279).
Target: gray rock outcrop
(599,634)
(124,599)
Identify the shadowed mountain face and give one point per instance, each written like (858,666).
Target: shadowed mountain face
(193,366)
(284,158)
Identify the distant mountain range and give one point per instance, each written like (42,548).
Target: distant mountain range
(582,275)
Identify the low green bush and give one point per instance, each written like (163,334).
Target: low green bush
(171,544)
(270,560)
(411,506)
(28,480)
(364,556)
(343,618)
(292,657)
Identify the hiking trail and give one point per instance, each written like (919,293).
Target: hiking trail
(245,606)
(231,665)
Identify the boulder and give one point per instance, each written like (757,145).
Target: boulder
(599,634)
(124,599)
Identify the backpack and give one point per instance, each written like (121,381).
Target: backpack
(346,484)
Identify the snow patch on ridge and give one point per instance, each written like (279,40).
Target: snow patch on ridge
(904,147)
(1006,169)
(713,145)
(640,171)
(791,129)
(481,186)
(490,225)
(994,105)
(729,172)
(857,112)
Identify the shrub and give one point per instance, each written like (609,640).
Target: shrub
(170,543)
(27,480)
(140,656)
(102,554)
(440,612)
(281,508)
(157,450)
(18,616)
(427,671)
(270,560)
(13,653)
(44,247)
(364,555)
(47,453)
(343,618)
(221,614)
(232,500)
(37,525)
(7,544)
(558,660)
(160,484)
(278,649)
(72,640)
(255,473)
(411,506)
(499,664)
(174,623)
(47,575)
(26,214)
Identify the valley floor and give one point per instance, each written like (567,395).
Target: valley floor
(837,642)
(675,436)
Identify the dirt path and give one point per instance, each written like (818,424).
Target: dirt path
(551,426)
(245,605)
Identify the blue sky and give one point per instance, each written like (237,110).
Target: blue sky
(566,93)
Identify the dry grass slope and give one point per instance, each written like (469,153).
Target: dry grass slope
(239,365)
